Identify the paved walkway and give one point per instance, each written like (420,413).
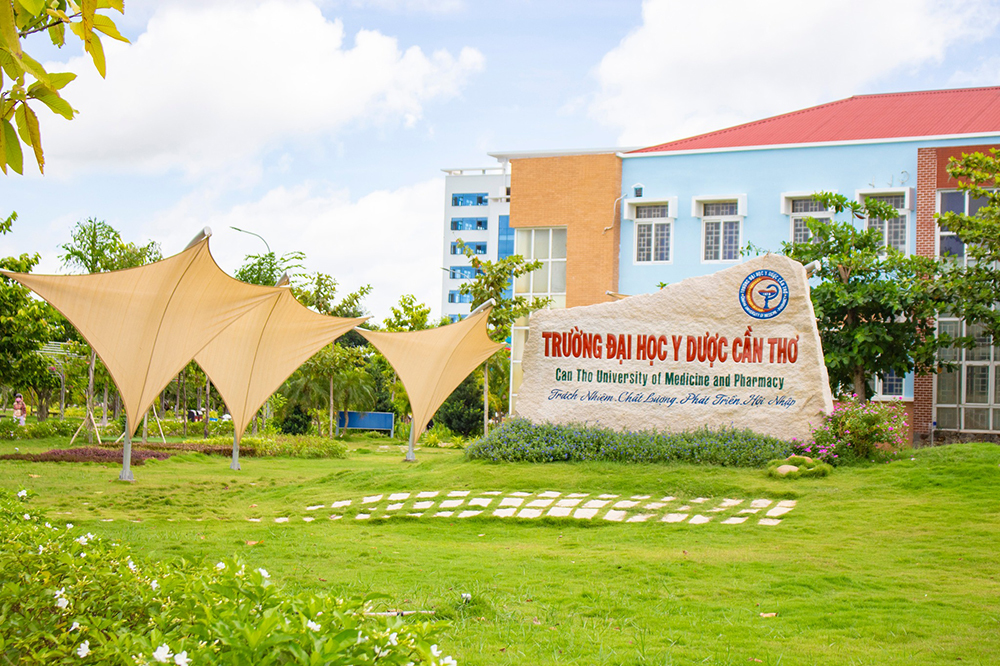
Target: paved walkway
(549,504)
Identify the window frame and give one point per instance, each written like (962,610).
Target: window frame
(904,212)
(654,224)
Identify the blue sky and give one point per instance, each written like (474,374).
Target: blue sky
(323,124)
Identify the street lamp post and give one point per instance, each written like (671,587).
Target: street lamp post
(253,234)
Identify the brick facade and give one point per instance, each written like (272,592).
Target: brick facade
(578,192)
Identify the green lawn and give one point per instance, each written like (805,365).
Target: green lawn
(892,564)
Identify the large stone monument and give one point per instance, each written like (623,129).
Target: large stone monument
(736,348)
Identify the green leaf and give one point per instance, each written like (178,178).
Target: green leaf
(57,34)
(112,4)
(12,148)
(33,67)
(108,27)
(34,7)
(36,136)
(8,29)
(96,51)
(22,124)
(51,99)
(59,80)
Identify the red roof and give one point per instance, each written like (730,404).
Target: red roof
(861,118)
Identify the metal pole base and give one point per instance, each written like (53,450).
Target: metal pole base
(235,465)
(126,475)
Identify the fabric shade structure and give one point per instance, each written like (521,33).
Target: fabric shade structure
(147,323)
(433,362)
(250,359)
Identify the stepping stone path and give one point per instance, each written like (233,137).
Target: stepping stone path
(496,504)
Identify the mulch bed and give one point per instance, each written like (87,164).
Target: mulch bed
(89,454)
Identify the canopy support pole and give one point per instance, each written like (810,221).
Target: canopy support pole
(410,455)
(235,464)
(126,474)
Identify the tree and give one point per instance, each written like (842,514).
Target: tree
(493,281)
(266,269)
(977,284)
(462,412)
(408,315)
(26,79)
(875,306)
(95,246)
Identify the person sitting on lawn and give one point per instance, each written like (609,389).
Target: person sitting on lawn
(20,409)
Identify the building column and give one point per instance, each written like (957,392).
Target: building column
(926,246)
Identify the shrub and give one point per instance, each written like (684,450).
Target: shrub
(70,598)
(10,430)
(807,467)
(289,446)
(856,431)
(519,440)
(297,422)
(88,454)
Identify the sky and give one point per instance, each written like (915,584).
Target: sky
(323,125)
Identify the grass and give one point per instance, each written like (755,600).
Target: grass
(890,564)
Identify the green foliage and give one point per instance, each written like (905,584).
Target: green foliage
(519,440)
(26,79)
(67,598)
(858,431)
(296,422)
(266,269)
(287,446)
(408,315)
(807,467)
(10,431)
(875,307)
(462,412)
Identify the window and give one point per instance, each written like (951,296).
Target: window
(505,238)
(462,272)
(801,209)
(454,317)
(477,199)
(890,387)
(949,246)
(468,224)
(968,397)
(893,230)
(721,228)
(652,239)
(477,248)
(455,296)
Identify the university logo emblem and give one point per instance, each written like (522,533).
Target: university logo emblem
(764,294)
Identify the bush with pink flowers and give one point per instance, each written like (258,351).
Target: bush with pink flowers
(857,431)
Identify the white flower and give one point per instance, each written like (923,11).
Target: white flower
(83,650)
(76,625)
(435,651)
(393,638)
(361,638)
(60,592)
(220,566)
(69,526)
(312,625)
(49,525)
(379,652)
(27,516)
(83,554)
(40,549)
(62,602)
(154,585)
(162,654)
(449,661)
(181,658)
(263,572)
(131,564)
(23,493)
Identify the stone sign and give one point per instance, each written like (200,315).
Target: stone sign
(737,348)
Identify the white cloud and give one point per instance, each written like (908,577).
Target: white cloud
(696,67)
(415,6)
(212,87)
(391,240)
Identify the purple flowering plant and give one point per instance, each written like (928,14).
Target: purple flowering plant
(858,431)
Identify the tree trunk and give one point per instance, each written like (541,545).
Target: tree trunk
(860,382)
(331,409)
(145,427)
(486,398)
(177,397)
(208,403)
(104,407)
(90,397)
(118,405)
(184,402)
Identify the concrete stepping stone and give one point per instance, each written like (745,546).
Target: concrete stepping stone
(504,513)
(341,504)
(653,506)
(480,501)
(640,497)
(492,492)
(717,509)
(469,514)
(371,499)
(549,494)
(617,516)
(422,505)
(444,514)
(399,497)
(519,494)
(254,520)
(760,503)
(735,520)
(451,504)
(308,519)
(362,516)
(335,516)
(283,519)
(458,493)
(606,496)
(595,504)
(778,511)
(427,494)
(749,511)
(539,503)
(668,498)
(578,495)
(314,507)
(787,503)
(699,500)
(640,518)
(625,504)
(530,513)
(568,502)
(730,502)
(108,520)
(414,515)
(769,521)
(699,519)
(684,508)
(559,512)
(674,518)
(394,507)
(511,501)
(586,514)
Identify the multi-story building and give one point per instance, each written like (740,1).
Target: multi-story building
(689,207)
(476,212)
